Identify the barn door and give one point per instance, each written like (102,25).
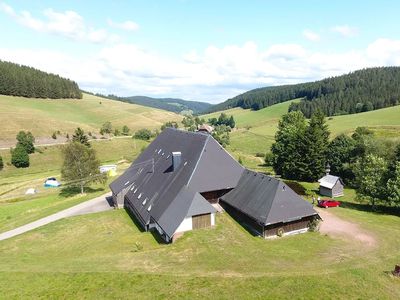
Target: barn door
(201,221)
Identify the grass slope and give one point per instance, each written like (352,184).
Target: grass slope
(105,255)
(256,130)
(43,116)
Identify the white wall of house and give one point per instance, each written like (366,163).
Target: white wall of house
(186,225)
(213,219)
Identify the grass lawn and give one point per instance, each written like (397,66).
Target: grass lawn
(105,255)
(48,161)
(89,113)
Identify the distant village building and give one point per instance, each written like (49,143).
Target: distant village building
(170,186)
(205,128)
(267,206)
(331,186)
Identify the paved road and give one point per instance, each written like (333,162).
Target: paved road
(91,206)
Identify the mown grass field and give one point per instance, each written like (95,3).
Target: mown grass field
(105,255)
(255,132)
(43,116)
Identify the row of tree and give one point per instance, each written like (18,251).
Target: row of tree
(371,165)
(359,91)
(18,80)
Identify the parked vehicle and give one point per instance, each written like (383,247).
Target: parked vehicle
(51,182)
(325,203)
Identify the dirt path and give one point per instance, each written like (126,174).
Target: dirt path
(334,226)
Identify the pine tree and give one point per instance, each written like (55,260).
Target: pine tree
(288,159)
(80,137)
(315,146)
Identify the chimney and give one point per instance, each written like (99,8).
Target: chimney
(176,160)
(328,169)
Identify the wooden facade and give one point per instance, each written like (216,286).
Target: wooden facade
(268,231)
(286,228)
(201,221)
(213,196)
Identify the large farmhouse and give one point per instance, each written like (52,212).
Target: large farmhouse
(170,186)
(268,206)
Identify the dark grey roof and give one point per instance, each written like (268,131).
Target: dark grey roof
(169,193)
(200,206)
(267,199)
(128,177)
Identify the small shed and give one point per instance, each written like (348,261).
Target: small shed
(331,186)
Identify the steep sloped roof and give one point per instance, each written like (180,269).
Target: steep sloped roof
(329,181)
(162,194)
(267,199)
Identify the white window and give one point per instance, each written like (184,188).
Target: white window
(185,163)
(144,201)
(159,151)
(132,188)
(135,191)
(149,208)
(126,182)
(140,195)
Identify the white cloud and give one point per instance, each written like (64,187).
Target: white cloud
(311,35)
(345,30)
(127,25)
(68,24)
(214,74)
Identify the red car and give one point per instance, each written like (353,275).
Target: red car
(325,203)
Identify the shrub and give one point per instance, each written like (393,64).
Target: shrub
(19,157)
(269,159)
(143,134)
(313,226)
(125,130)
(54,136)
(240,160)
(117,132)
(26,140)
(259,154)
(1,163)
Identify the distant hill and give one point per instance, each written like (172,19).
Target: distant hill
(169,104)
(359,91)
(44,116)
(19,80)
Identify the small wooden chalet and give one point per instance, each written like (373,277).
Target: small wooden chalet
(267,206)
(169,187)
(331,186)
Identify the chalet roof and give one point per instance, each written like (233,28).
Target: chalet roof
(329,181)
(161,194)
(267,199)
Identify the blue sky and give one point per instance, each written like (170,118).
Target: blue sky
(198,50)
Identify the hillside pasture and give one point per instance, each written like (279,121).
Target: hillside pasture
(107,255)
(44,116)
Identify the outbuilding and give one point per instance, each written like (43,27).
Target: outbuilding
(267,206)
(331,186)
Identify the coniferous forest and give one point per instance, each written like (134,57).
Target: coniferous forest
(18,80)
(359,91)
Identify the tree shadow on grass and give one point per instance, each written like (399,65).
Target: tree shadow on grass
(70,191)
(378,209)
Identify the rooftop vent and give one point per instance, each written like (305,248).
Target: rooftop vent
(176,160)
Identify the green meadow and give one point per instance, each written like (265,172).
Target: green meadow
(44,116)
